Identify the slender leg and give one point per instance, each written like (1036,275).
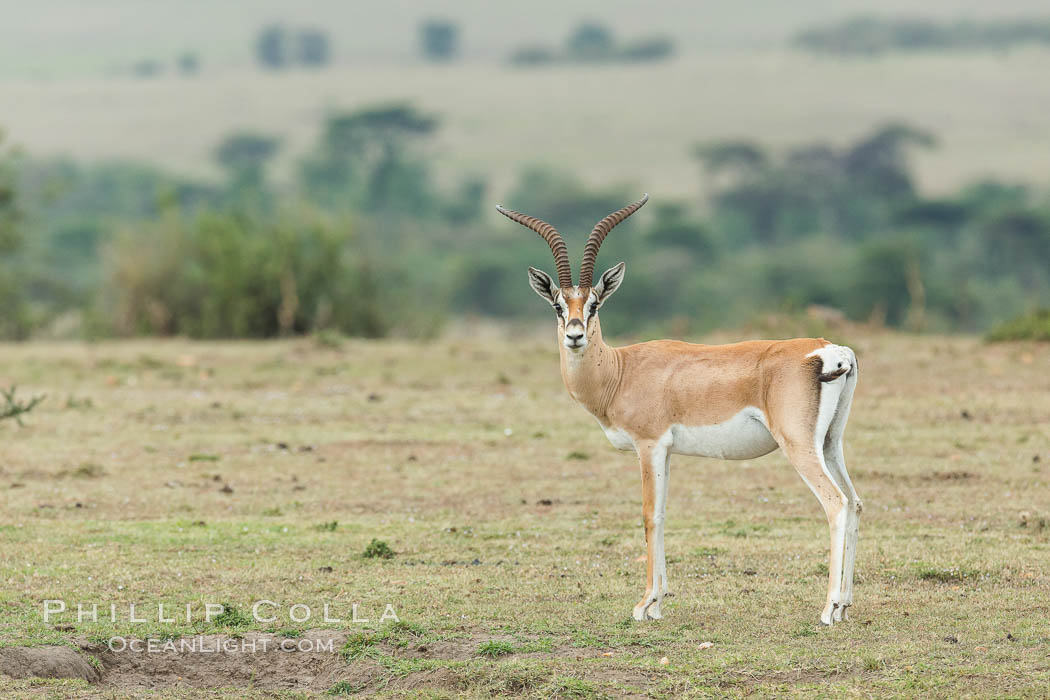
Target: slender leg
(803,442)
(665,589)
(652,459)
(811,467)
(836,463)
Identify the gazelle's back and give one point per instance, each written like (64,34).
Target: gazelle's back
(669,382)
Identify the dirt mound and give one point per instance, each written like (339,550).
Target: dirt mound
(46,662)
(267,662)
(257,660)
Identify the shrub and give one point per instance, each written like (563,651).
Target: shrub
(1032,326)
(11,407)
(220,275)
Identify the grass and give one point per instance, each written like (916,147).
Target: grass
(494,648)
(516,568)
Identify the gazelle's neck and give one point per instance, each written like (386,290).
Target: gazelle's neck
(591,376)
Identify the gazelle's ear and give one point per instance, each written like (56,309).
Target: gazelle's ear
(609,282)
(542,284)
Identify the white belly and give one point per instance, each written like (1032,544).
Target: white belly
(744,436)
(619,438)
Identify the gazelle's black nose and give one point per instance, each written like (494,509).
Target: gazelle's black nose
(573,334)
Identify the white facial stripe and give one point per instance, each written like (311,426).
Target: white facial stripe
(592,299)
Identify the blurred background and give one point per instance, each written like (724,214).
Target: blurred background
(253,168)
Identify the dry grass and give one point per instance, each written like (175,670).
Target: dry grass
(455,455)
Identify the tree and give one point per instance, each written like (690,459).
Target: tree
(657,48)
(364,159)
(591,41)
(14,319)
(739,158)
(244,157)
(879,162)
(313,48)
(439,40)
(271,47)
(189,63)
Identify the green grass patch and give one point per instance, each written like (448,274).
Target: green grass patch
(493,648)
(378,549)
(951,574)
(231,616)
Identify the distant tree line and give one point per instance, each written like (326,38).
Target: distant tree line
(367,241)
(592,42)
(279,47)
(870,35)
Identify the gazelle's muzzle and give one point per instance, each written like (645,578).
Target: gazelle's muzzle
(575,335)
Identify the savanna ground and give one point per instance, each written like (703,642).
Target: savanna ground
(186,473)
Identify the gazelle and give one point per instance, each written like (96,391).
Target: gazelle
(737,401)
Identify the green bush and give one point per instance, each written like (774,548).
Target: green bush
(220,275)
(1033,326)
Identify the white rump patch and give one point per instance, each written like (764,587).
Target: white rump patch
(838,359)
(744,436)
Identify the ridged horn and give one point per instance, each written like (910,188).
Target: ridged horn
(553,238)
(601,230)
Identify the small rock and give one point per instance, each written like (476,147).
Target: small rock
(608,653)
(966,415)
(664,661)
(545,502)
(326,569)
(375,397)
(226,488)
(282,446)
(706,645)
(951,639)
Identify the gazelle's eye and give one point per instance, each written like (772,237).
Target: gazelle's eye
(557,309)
(594,307)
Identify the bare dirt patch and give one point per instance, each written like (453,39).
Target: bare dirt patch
(261,661)
(46,662)
(258,660)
